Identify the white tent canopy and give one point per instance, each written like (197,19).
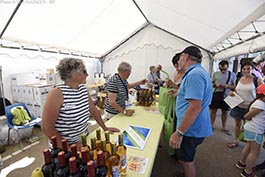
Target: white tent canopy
(149,47)
(79,25)
(142,32)
(94,28)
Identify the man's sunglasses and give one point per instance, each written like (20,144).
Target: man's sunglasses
(221,69)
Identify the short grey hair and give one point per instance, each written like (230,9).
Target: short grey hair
(67,66)
(199,60)
(123,66)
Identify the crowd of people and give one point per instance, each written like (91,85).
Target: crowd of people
(68,106)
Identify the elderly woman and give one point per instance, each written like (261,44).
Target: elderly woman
(67,106)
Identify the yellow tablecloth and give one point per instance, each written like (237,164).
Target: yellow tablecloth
(143,118)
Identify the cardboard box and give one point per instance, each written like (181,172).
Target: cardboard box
(25,78)
(47,79)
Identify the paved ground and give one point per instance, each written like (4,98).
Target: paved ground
(213,159)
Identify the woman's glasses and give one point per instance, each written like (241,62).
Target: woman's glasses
(84,72)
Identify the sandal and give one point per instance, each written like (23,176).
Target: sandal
(240,165)
(233,144)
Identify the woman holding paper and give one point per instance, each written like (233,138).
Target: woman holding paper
(245,88)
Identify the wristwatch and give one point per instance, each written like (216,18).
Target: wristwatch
(179,133)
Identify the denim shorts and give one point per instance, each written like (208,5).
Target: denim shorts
(238,113)
(251,136)
(187,150)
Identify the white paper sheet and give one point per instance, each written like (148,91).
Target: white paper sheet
(233,101)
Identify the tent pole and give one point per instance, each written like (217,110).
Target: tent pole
(122,42)
(10,19)
(141,11)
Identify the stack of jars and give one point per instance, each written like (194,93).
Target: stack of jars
(145,97)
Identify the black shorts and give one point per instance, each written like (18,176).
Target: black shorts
(187,150)
(218,101)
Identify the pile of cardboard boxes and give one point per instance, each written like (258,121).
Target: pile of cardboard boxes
(32,89)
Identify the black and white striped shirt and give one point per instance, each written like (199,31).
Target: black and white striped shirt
(120,87)
(74,113)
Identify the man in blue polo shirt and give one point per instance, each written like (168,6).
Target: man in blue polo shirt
(192,109)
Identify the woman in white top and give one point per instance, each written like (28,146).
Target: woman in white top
(254,129)
(246,89)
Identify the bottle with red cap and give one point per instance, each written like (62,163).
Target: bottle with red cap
(90,169)
(83,166)
(62,170)
(93,151)
(49,166)
(75,154)
(74,172)
(55,149)
(106,154)
(101,169)
(67,154)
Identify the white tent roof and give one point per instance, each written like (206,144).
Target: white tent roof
(94,28)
